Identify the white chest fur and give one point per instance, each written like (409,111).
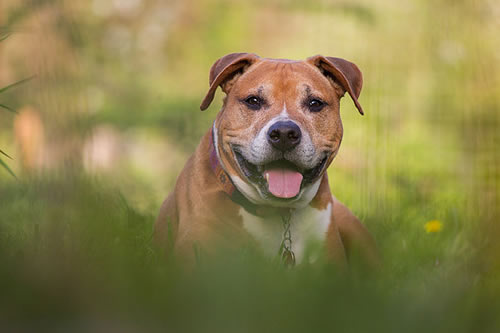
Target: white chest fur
(308,227)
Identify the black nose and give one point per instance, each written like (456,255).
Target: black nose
(284,135)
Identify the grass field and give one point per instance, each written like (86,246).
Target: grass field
(75,255)
(114,114)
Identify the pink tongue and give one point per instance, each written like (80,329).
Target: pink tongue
(283,183)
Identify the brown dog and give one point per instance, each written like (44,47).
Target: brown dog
(259,173)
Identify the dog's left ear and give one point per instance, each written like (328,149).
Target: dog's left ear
(223,70)
(342,71)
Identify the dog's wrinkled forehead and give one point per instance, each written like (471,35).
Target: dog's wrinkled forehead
(343,75)
(282,81)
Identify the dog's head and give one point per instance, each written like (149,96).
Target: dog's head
(280,127)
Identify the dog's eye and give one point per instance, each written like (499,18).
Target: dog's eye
(315,105)
(253,102)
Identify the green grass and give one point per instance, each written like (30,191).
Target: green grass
(73,253)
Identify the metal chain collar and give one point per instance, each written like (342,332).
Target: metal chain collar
(285,252)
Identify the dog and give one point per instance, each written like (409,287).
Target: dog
(259,174)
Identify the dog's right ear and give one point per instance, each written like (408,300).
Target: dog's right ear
(223,70)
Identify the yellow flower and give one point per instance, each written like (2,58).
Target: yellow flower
(433,226)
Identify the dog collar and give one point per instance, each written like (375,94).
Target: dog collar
(225,181)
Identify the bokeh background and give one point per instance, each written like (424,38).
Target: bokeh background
(112,113)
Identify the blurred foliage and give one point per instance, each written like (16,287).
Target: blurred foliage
(75,255)
(118,90)
(4,34)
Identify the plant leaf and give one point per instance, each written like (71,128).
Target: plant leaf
(4,35)
(4,89)
(7,108)
(4,153)
(6,167)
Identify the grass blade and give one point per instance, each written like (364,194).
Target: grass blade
(4,89)
(4,35)
(4,153)
(7,108)
(6,167)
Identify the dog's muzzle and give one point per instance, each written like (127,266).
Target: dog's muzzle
(280,178)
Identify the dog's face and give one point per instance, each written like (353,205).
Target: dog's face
(280,126)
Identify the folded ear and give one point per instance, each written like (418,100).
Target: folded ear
(342,71)
(223,70)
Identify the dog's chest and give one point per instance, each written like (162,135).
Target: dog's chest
(308,228)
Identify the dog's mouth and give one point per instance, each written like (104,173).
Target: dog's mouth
(281,178)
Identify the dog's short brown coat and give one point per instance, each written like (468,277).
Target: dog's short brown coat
(199,212)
